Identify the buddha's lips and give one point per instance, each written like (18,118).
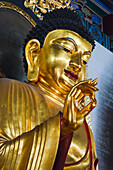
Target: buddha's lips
(71,74)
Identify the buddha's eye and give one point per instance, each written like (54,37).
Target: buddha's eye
(84,62)
(67,50)
(64,48)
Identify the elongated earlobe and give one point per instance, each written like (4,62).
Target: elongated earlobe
(32,51)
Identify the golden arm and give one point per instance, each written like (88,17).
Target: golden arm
(79,156)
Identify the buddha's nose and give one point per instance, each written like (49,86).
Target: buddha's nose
(75,62)
(74,66)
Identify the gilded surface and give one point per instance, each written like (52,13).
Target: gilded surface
(58,72)
(43,6)
(23,144)
(54,77)
(78,154)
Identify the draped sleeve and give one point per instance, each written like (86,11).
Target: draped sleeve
(35,149)
(29,134)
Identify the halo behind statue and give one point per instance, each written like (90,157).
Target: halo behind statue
(14,26)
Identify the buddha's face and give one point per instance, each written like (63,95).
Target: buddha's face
(63,59)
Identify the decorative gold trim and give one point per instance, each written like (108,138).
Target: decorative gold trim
(4,4)
(43,6)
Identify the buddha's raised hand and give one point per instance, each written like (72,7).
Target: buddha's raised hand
(74,108)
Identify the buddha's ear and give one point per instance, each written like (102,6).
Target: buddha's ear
(32,51)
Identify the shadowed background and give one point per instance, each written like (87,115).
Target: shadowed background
(101,66)
(13,30)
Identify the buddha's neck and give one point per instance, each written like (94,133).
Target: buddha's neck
(50,91)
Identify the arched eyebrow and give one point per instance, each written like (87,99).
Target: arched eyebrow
(72,40)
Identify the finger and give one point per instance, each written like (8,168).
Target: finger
(85,86)
(92,88)
(80,97)
(94,82)
(82,101)
(88,108)
(92,97)
(79,85)
(89,81)
(73,91)
(85,111)
(75,95)
(84,82)
(88,90)
(73,110)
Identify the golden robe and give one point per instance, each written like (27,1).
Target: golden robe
(30,131)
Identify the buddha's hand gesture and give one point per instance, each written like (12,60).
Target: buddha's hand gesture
(74,108)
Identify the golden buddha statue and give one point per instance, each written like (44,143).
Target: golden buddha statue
(42,123)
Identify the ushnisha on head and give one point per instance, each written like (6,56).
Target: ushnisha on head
(58,49)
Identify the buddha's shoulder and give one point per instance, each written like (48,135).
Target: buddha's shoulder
(18,87)
(14,91)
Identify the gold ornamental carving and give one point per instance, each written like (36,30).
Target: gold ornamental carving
(43,6)
(11,6)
